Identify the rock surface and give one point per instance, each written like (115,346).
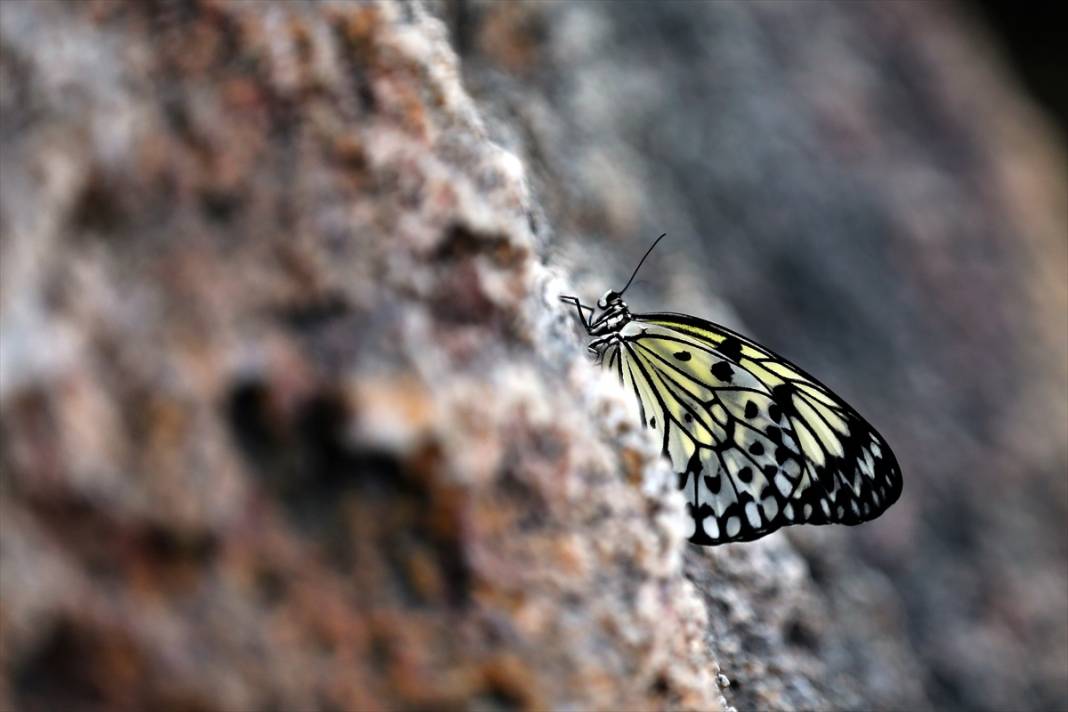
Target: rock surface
(287,423)
(291,418)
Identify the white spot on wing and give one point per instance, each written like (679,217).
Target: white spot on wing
(691,526)
(752,514)
(711,527)
(734,525)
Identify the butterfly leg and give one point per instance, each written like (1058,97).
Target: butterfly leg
(579,307)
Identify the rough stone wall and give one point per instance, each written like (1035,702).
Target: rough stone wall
(287,421)
(290,417)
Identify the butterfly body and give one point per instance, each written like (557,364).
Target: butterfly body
(755,442)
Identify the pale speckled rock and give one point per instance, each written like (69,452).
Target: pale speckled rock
(291,418)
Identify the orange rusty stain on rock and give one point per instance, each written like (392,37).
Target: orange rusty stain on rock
(165,423)
(533,616)
(358,22)
(243,94)
(302,40)
(89,422)
(165,562)
(396,408)
(633,463)
(449,510)
(491,517)
(570,556)
(349,150)
(115,665)
(509,680)
(414,114)
(424,574)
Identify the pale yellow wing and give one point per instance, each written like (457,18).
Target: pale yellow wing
(756,443)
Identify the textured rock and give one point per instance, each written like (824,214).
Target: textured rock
(287,423)
(292,419)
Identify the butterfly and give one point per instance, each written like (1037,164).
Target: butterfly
(755,442)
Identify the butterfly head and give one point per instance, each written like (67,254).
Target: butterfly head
(613,315)
(610,298)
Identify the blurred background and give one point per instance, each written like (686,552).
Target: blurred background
(876,191)
(260,259)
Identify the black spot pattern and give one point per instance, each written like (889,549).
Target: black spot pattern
(781,395)
(738,428)
(731,348)
(825,477)
(723,371)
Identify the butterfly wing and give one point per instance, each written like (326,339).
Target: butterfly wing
(756,443)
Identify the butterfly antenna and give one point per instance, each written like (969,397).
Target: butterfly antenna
(642,261)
